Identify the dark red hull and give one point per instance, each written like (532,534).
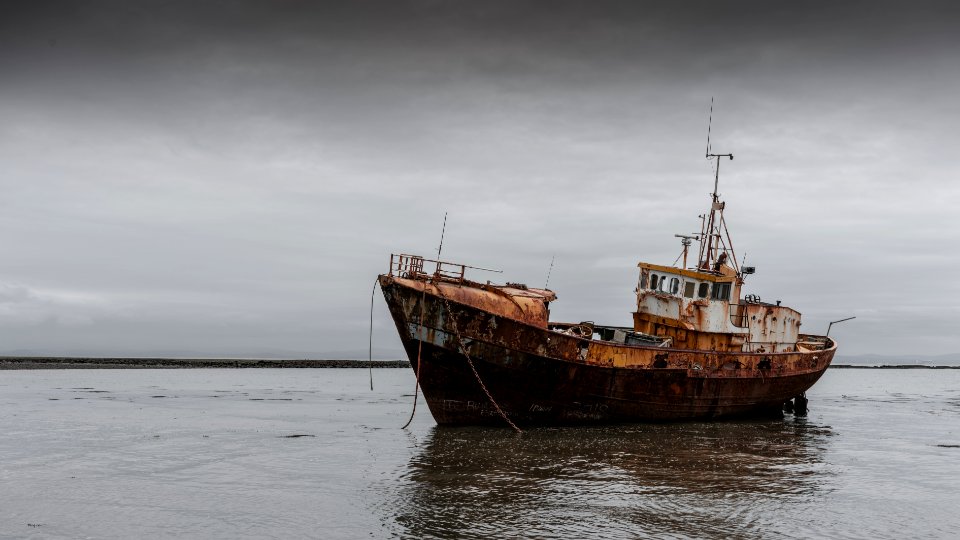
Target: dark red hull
(543,377)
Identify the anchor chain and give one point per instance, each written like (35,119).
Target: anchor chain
(463,348)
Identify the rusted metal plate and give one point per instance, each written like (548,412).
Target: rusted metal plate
(526,305)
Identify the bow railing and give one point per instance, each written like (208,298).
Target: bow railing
(417,267)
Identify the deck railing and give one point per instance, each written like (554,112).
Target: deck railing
(416,267)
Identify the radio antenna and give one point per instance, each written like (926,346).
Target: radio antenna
(550,271)
(442,233)
(685,240)
(709,125)
(716,178)
(710,235)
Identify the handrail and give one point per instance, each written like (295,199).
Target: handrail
(412,266)
(738,316)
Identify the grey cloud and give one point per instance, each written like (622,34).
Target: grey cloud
(229,176)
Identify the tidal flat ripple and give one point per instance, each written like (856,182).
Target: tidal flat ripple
(313,453)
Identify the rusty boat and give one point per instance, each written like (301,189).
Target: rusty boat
(697,349)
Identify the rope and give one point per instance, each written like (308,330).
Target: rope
(456,332)
(416,387)
(370,356)
(423,297)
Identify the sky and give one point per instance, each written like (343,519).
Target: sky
(228,178)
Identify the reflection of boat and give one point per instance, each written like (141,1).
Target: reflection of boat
(665,480)
(697,349)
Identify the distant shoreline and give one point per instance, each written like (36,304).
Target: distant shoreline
(36,362)
(27,362)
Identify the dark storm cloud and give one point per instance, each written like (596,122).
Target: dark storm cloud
(229,177)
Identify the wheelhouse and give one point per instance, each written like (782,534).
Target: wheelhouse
(701,307)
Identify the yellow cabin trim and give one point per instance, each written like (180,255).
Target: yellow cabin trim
(687,273)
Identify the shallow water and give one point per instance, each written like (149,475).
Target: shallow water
(298,453)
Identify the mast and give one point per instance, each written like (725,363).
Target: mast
(710,239)
(712,225)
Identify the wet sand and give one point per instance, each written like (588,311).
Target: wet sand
(279,453)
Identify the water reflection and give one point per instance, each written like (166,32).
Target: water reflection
(676,480)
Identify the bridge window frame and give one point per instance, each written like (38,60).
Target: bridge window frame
(721,291)
(704,290)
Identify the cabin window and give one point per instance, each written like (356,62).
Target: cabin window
(688,288)
(643,279)
(674,285)
(704,289)
(653,281)
(721,291)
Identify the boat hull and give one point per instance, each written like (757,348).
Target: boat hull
(539,376)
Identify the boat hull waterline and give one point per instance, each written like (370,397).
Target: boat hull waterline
(540,376)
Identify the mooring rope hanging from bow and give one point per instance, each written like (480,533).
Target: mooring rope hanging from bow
(416,386)
(456,332)
(370,356)
(423,298)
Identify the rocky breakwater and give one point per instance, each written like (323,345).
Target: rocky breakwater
(183,363)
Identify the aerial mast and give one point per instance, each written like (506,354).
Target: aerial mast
(686,240)
(710,236)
